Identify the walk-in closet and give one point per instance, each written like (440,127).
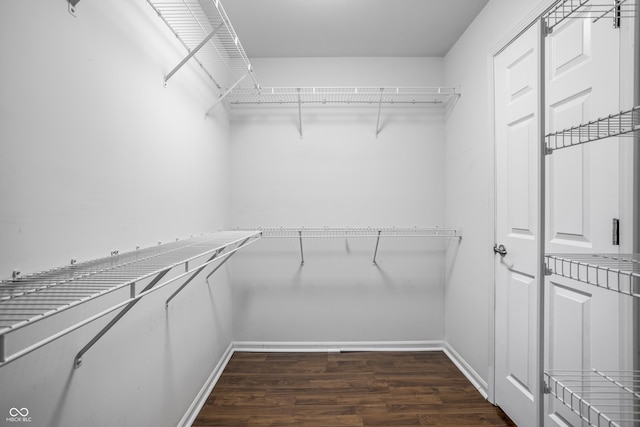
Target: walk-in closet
(320,213)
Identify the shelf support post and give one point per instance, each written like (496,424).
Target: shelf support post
(219,253)
(378,123)
(299,114)
(193,52)
(540,237)
(220,265)
(2,349)
(301,252)
(78,359)
(193,276)
(224,95)
(375,253)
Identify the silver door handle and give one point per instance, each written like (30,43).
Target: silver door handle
(500,250)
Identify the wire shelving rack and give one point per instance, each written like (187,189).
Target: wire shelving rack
(589,9)
(33,298)
(625,123)
(598,398)
(204,29)
(355,232)
(615,272)
(341,96)
(358,232)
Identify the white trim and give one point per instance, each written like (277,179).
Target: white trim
(337,346)
(492,197)
(201,398)
(527,22)
(467,370)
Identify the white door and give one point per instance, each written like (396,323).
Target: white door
(516,140)
(582,199)
(582,325)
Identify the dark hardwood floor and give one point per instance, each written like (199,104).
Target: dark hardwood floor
(346,389)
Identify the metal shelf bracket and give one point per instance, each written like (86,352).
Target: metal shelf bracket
(375,253)
(78,359)
(586,9)
(36,297)
(192,53)
(299,113)
(216,256)
(72,6)
(378,123)
(227,92)
(193,276)
(227,257)
(203,27)
(348,233)
(301,251)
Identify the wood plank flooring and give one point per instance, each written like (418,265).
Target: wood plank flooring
(346,389)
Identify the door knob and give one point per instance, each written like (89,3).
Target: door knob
(500,250)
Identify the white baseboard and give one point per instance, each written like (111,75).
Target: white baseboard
(467,370)
(331,347)
(337,346)
(202,396)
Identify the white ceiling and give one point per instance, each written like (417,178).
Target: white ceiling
(350,28)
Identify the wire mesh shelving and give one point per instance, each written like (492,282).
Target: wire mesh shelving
(36,297)
(625,123)
(599,398)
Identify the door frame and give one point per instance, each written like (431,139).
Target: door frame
(530,20)
(630,166)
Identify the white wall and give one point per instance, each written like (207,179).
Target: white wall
(469,181)
(93,145)
(96,156)
(347,72)
(339,174)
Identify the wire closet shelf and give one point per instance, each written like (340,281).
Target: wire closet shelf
(374,233)
(204,29)
(625,123)
(374,96)
(615,272)
(33,298)
(599,398)
(589,9)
